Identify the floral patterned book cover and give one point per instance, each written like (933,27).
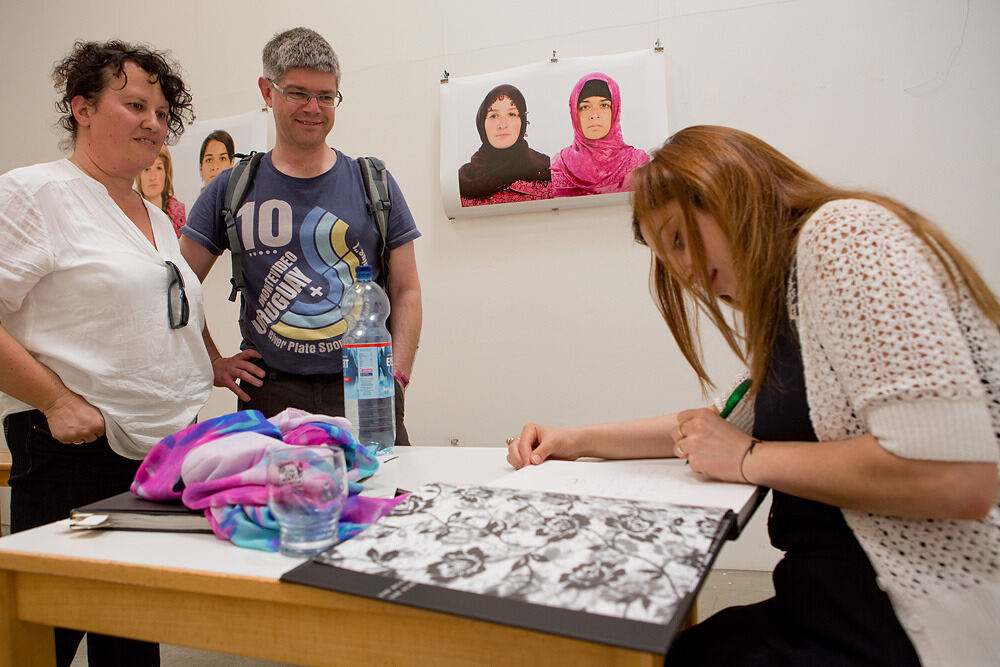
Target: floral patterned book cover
(615,571)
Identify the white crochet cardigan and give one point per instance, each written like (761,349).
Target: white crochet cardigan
(891,348)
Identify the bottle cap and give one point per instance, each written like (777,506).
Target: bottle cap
(363,274)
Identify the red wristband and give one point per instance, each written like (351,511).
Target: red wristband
(401,376)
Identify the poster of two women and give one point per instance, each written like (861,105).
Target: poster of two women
(560,134)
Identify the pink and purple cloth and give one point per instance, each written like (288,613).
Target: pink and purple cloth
(220,466)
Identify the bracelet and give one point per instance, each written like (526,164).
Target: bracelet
(401,376)
(753,443)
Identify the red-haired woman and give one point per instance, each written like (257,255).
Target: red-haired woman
(874,348)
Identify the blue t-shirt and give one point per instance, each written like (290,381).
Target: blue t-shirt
(303,239)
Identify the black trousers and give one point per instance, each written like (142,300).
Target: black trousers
(47,480)
(827,609)
(319,394)
(827,612)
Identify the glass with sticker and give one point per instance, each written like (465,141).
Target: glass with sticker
(306,492)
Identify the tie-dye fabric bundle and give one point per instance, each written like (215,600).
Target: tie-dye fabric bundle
(220,466)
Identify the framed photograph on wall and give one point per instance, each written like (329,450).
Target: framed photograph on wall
(561,134)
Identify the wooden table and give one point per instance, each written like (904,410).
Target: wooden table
(4,467)
(197,591)
(4,473)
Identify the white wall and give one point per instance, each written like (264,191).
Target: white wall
(546,316)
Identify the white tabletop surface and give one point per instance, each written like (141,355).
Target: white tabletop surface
(406,467)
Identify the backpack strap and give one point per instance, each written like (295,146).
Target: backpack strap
(376,182)
(239,182)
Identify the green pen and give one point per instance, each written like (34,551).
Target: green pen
(735,398)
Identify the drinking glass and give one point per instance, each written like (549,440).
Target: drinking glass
(306,492)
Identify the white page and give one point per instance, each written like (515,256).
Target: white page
(656,480)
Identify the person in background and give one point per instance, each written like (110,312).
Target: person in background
(307,232)
(217,155)
(599,160)
(874,348)
(504,169)
(156,185)
(101,353)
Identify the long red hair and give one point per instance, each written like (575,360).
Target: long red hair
(760,199)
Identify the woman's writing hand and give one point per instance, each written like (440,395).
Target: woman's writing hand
(538,442)
(72,420)
(227,370)
(713,446)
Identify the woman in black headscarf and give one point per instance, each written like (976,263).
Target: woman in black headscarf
(504,168)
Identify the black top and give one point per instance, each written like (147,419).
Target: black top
(825,586)
(781,413)
(490,169)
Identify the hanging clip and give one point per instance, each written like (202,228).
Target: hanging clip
(444,77)
(553,59)
(658,47)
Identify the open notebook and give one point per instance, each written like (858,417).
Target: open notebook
(580,558)
(654,480)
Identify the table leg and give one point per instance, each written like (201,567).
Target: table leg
(21,644)
(692,616)
(4,474)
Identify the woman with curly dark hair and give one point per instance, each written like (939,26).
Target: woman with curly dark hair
(101,352)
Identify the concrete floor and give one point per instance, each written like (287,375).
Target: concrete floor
(722,588)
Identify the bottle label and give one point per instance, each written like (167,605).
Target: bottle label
(368,371)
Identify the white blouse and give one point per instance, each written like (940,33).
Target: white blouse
(85,293)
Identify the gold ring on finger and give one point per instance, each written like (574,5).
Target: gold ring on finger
(681,450)
(512,439)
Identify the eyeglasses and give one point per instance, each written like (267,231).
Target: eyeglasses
(301,97)
(178,308)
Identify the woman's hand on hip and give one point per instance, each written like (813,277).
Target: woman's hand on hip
(74,421)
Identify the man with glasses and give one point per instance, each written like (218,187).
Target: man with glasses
(304,227)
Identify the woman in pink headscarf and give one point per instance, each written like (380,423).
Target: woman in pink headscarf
(599,160)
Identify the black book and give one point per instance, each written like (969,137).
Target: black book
(127,511)
(619,572)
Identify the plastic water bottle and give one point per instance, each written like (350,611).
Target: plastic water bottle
(369,388)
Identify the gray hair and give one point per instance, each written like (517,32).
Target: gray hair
(299,47)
